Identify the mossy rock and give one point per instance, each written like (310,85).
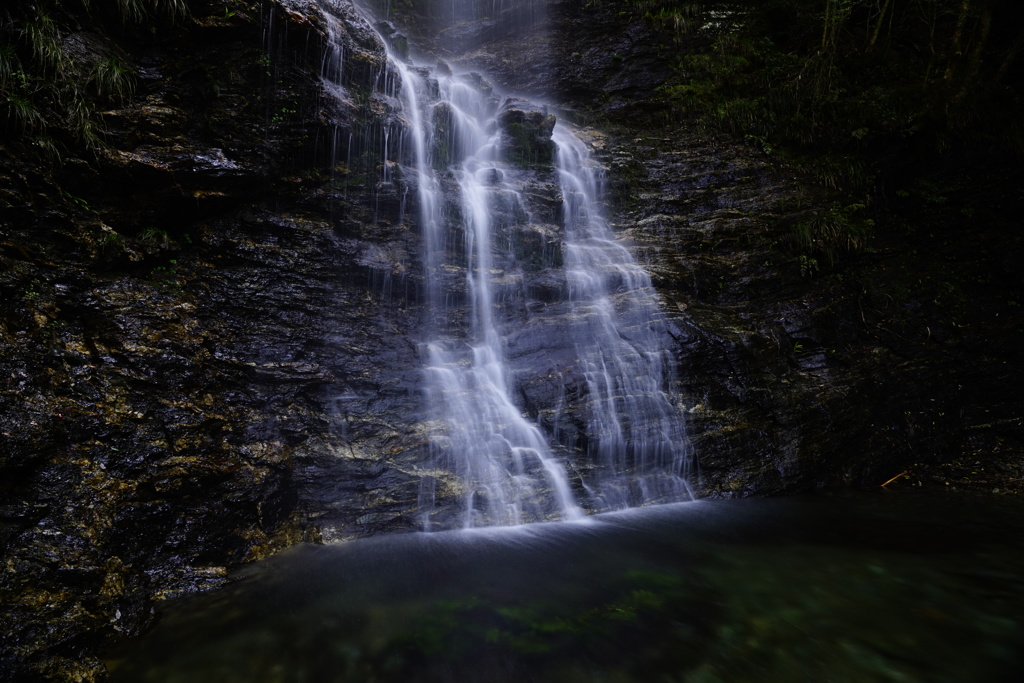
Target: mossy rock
(527,139)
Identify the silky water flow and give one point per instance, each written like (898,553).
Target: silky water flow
(501,459)
(498,465)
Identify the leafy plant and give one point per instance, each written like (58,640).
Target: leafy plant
(156,237)
(283,114)
(79,202)
(113,79)
(135,11)
(808,265)
(47,93)
(23,113)
(167,277)
(43,39)
(836,230)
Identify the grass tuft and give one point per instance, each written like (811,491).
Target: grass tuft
(113,80)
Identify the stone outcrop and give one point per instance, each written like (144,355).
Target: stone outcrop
(798,379)
(527,133)
(192,330)
(594,61)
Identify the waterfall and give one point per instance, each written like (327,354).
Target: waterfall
(490,459)
(636,435)
(504,466)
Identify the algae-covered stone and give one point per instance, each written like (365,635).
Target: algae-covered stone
(527,133)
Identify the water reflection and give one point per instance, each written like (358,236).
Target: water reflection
(889,587)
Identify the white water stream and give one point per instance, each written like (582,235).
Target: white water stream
(486,453)
(636,432)
(502,460)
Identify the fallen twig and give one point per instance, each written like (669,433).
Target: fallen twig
(895,478)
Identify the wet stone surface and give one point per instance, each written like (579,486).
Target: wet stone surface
(191,335)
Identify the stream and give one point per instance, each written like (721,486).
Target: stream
(854,587)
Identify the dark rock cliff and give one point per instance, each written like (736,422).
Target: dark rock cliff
(798,372)
(193,327)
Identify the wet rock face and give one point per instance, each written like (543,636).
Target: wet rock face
(398,42)
(795,378)
(711,223)
(797,381)
(527,133)
(206,334)
(595,59)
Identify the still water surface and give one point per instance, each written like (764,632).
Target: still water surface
(887,587)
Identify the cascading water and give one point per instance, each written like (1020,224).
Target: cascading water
(487,458)
(636,435)
(503,463)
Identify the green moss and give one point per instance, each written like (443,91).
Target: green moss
(526,147)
